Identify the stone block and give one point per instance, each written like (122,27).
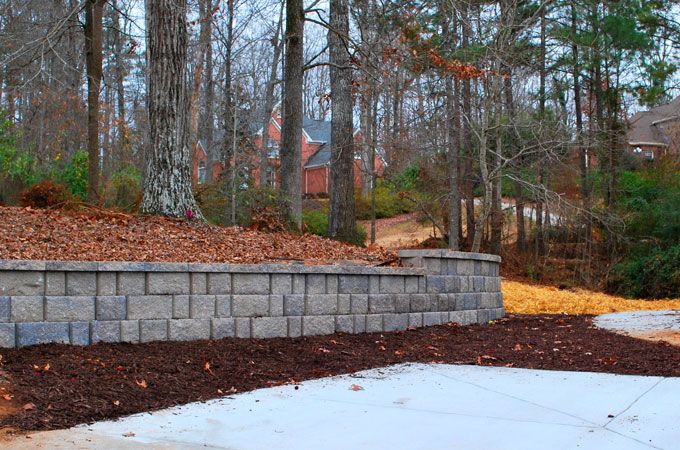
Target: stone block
(67,309)
(153,330)
(415,320)
(242,327)
(199,283)
(275,305)
(318,325)
(492,284)
(344,324)
(106,283)
(359,323)
(353,284)
(81,283)
(381,303)
(321,304)
(201,306)
(4,308)
(249,305)
(294,326)
(487,300)
(168,283)
(222,328)
(457,317)
(298,284)
(436,284)
(344,303)
(282,284)
(443,302)
(374,284)
(444,316)
(478,268)
(105,331)
(457,302)
(55,283)
(149,307)
(26,309)
(483,316)
(251,283)
(465,267)
(219,283)
(7,335)
(180,306)
(433,265)
(131,283)
(33,333)
(21,283)
(293,305)
(331,284)
(420,302)
(110,307)
(411,285)
(80,333)
(402,303)
(269,327)
(395,322)
(390,284)
(316,284)
(470,301)
(359,303)
(431,318)
(477,284)
(374,323)
(223,305)
(188,329)
(422,285)
(129,331)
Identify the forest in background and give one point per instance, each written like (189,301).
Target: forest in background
(502,122)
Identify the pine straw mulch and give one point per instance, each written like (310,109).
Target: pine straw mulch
(55,386)
(94,234)
(524,298)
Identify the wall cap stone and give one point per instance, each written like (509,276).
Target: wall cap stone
(123,266)
(448,254)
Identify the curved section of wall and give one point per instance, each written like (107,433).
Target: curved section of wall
(86,302)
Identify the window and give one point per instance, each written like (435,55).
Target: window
(272,148)
(271,176)
(201,172)
(649,154)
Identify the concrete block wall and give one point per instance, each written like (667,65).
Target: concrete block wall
(82,303)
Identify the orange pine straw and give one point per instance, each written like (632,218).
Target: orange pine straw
(521,298)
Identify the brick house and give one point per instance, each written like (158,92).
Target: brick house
(316,156)
(656,132)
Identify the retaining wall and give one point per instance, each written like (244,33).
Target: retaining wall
(86,302)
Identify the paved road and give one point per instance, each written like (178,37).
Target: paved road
(410,407)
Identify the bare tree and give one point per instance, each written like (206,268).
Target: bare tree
(93,48)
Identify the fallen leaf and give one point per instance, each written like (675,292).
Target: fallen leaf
(141,384)
(28,406)
(116,402)
(129,434)
(8,397)
(356,387)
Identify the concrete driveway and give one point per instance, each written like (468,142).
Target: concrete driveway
(409,407)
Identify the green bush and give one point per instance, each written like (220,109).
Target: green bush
(123,189)
(656,275)
(74,174)
(316,222)
(388,203)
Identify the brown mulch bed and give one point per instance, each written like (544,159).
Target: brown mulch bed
(101,235)
(55,386)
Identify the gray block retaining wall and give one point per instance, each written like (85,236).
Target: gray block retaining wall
(86,302)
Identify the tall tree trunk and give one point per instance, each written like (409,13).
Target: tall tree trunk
(277,44)
(93,56)
(208,121)
(204,41)
(291,133)
(468,181)
(341,218)
(123,144)
(167,186)
(540,239)
(452,132)
(229,123)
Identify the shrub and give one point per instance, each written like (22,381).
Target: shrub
(74,174)
(388,203)
(316,222)
(656,275)
(123,189)
(45,194)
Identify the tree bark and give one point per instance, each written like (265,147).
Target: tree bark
(341,218)
(291,133)
(167,186)
(93,57)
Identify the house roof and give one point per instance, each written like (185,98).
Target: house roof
(646,127)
